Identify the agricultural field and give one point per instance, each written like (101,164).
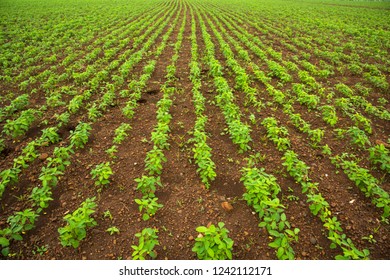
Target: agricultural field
(194,129)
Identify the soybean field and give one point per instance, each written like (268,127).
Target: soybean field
(194,129)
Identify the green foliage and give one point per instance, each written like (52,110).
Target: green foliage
(297,168)
(40,250)
(121,133)
(94,113)
(261,193)
(112,151)
(102,173)
(8,176)
(147,240)
(79,137)
(18,104)
(326,150)
(329,114)
(41,197)
(63,118)
(240,135)
(362,122)
(213,243)
(60,160)
(358,137)
(18,223)
(316,135)
(22,221)
(202,154)
(112,230)
(276,134)
(2,145)
(278,71)
(49,176)
(379,154)
(367,183)
(148,205)
(202,151)
(154,160)
(378,81)
(148,185)
(344,89)
(305,77)
(50,135)
(310,100)
(77,224)
(19,126)
(75,104)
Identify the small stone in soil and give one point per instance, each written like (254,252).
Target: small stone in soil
(190,238)
(313,240)
(43,156)
(227,206)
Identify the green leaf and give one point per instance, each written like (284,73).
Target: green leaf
(153,254)
(340,257)
(210,252)
(201,229)
(280,252)
(274,244)
(17,237)
(4,242)
(5,252)
(221,224)
(284,241)
(145,217)
(262,224)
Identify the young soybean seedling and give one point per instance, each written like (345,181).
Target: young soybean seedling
(102,173)
(107,214)
(77,224)
(112,151)
(112,230)
(148,239)
(149,206)
(213,243)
